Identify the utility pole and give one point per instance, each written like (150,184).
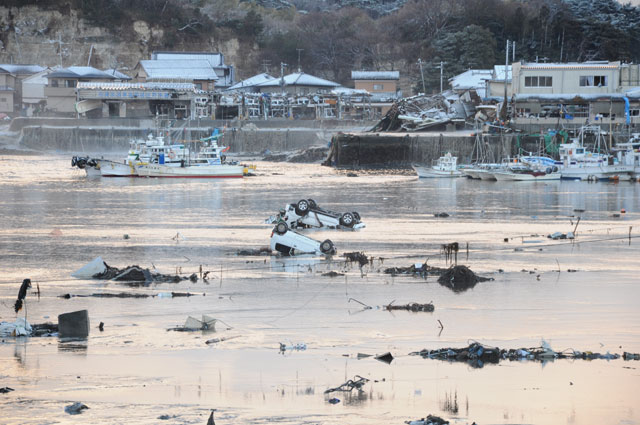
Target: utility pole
(506,71)
(299,50)
(441,66)
(282,66)
(424,90)
(266,63)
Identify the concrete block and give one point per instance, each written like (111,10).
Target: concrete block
(74,324)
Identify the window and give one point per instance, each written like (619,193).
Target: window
(634,112)
(70,83)
(593,81)
(54,83)
(538,81)
(3,99)
(378,86)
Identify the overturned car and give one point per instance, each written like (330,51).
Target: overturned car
(287,242)
(306,213)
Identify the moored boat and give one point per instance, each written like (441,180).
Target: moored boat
(445,166)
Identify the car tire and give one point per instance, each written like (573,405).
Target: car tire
(312,203)
(347,219)
(327,247)
(282,228)
(356,215)
(302,208)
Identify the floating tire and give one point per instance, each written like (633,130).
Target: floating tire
(347,219)
(282,228)
(302,208)
(327,247)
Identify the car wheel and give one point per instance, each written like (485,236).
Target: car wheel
(347,220)
(302,207)
(281,228)
(356,215)
(312,203)
(327,247)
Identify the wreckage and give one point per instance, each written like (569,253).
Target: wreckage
(423,112)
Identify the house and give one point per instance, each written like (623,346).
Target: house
(600,92)
(60,91)
(119,75)
(297,83)
(500,76)
(249,85)
(139,100)
(382,85)
(206,70)
(472,79)
(11,77)
(33,97)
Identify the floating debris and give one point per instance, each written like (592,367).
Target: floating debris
(560,235)
(332,274)
(5,390)
(75,408)
(192,324)
(460,278)
(130,295)
(477,354)
(385,358)
(429,420)
(357,257)
(217,340)
(98,269)
(441,215)
(356,383)
(265,250)
(415,307)
(334,400)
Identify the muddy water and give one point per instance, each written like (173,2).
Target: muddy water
(53,220)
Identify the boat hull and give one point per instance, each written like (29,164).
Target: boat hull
(427,172)
(595,173)
(525,177)
(194,172)
(116,169)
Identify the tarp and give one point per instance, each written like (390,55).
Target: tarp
(96,266)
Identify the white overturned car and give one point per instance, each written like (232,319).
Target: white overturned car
(306,213)
(287,242)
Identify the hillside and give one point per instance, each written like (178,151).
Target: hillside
(328,38)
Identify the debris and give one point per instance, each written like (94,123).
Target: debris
(22,293)
(216,340)
(75,408)
(460,278)
(211,421)
(165,417)
(95,267)
(429,420)
(385,358)
(265,250)
(18,328)
(356,383)
(125,236)
(98,269)
(192,324)
(450,251)
(130,295)
(441,215)
(560,235)
(630,356)
(297,347)
(352,175)
(101,326)
(359,257)
(5,390)
(334,400)
(74,324)
(366,307)
(415,307)
(44,329)
(332,274)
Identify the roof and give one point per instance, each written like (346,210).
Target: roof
(634,94)
(215,59)
(86,72)
(471,79)
(187,69)
(38,78)
(299,79)
(350,92)
(252,81)
(375,75)
(498,72)
(119,75)
(21,69)
(572,65)
(137,86)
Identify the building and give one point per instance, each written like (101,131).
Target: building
(500,75)
(576,93)
(382,85)
(60,91)
(249,85)
(11,77)
(472,79)
(33,98)
(297,84)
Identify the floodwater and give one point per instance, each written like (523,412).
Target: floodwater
(54,220)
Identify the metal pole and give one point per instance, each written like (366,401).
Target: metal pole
(424,90)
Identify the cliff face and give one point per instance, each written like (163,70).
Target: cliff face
(60,37)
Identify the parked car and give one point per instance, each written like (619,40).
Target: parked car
(287,242)
(306,213)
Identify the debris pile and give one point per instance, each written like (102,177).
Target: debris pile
(476,354)
(429,420)
(98,269)
(415,307)
(460,278)
(352,384)
(357,257)
(422,112)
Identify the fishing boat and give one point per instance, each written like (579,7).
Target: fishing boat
(628,153)
(528,168)
(579,163)
(445,166)
(91,166)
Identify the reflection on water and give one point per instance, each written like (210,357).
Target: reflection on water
(54,221)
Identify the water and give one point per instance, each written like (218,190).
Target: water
(54,221)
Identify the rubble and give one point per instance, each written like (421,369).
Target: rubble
(98,269)
(352,384)
(265,250)
(75,408)
(477,354)
(415,307)
(429,420)
(357,257)
(460,278)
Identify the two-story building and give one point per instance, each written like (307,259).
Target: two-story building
(11,77)
(382,85)
(60,91)
(572,94)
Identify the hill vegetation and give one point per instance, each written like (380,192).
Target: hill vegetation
(326,38)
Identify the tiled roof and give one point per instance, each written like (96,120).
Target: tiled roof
(252,81)
(375,75)
(137,86)
(184,69)
(299,79)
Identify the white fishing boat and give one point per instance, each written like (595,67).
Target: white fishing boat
(445,166)
(628,153)
(578,163)
(91,166)
(528,168)
(525,175)
(190,171)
